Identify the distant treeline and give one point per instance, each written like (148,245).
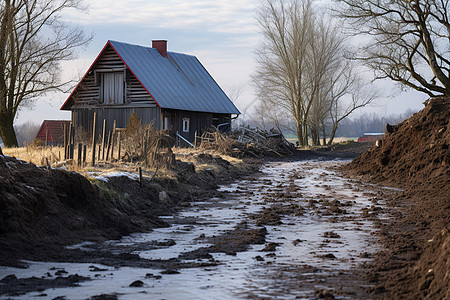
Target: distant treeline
(356,127)
(350,127)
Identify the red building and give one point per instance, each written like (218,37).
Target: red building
(52,132)
(371,137)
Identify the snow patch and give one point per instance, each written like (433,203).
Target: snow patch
(105,176)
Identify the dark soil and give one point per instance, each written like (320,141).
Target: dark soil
(236,240)
(43,211)
(415,157)
(13,286)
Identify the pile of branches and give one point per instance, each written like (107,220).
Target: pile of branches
(247,142)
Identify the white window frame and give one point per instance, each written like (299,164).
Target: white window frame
(186,122)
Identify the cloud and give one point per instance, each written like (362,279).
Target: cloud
(217,16)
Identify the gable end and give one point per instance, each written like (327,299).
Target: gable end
(99,88)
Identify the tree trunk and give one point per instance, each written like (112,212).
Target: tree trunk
(7,132)
(333,132)
(324,135)
(299,135)
(315,138)
(305,134)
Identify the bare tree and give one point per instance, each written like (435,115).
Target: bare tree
(302,70)
(332,74)
(266,118)
(234,92)
(33,42)
(409,40)
(360,96)
(282,58)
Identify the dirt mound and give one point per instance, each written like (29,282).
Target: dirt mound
(41,211)
(415,151)
(414,156)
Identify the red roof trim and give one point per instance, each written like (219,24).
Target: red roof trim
(71,94)
(133,73)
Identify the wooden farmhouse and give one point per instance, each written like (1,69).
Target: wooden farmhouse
(172,90)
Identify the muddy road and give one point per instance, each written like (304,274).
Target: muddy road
(293,230)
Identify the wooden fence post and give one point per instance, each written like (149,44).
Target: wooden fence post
(48,165)
(112,140)
(93,139)
(65,141)
(140,176)
(80,150)
(195,140)
(119,144)
(109,145)
(103,139)
(67,154)
(72,142)
(84,153)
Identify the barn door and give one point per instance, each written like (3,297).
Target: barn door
(113,88)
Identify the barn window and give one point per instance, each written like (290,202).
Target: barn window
(185,124)
(113,87)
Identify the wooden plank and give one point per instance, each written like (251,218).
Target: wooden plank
(103,139)
(119,141)
(72,139)
(112,141)
(109,145)
(140,176)
(80,147)
(93,139)
(65,141)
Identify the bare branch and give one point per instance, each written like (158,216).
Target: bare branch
(406,36)
(33,42)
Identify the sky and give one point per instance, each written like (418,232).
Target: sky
(223,34)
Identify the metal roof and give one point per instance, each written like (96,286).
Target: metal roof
(177,82)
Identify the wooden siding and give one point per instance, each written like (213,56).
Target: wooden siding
(90,92)
(135,90)
(82,118)
(198,121)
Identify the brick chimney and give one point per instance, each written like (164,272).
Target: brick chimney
(161,46)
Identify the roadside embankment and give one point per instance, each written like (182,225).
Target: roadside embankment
(415,157)
(42,211)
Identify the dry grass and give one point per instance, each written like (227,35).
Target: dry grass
(36,154)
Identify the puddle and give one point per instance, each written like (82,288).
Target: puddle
(323,241)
